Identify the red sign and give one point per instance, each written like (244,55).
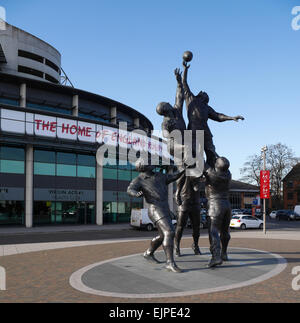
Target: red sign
(265,184)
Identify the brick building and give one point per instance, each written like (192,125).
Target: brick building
(291,188)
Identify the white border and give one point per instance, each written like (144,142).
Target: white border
(76,280)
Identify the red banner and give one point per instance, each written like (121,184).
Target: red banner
(265,184)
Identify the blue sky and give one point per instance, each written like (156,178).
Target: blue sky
(246,57)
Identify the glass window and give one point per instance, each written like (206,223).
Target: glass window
(124,164)
(11,212)
(110,173)
(9,101)
(48,108)
(235,200)
(66,158)
(10,153)
(44,156)
(44,169)
(44,212)
(124,175)
(66,170)
(11,167)
(86,160)
(134,174)
(67,212)
(85,171)
(92,117)
(110,163)
(64,212)
(110,212)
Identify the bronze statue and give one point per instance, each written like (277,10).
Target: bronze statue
(217,185)
(153,186)
(174,121)
(186,198)
(198,114)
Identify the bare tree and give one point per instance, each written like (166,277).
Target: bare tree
(251,170)
(280,160)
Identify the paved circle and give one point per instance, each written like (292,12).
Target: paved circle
(134,277)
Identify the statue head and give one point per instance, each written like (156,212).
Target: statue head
(222,164)
(165,109)
(204,97)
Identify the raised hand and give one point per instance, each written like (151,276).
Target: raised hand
(178,74)
(186,65)
(237,118)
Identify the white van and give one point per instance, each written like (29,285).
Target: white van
(140,220)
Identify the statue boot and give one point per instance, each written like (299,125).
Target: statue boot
(224,256)
(225,238)
(196,250)
(171,265)
(216,259)
(149,256)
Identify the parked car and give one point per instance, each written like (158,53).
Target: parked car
(236,211)
(246,211)
(294,216)
(244,222)
(285,215)
(273,214)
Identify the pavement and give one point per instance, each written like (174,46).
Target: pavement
(134,277)
(41,272)
(65,228)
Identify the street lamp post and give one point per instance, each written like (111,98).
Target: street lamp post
(264,150)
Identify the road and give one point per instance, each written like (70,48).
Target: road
(111,233)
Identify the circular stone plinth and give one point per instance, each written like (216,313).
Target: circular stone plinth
(134,277)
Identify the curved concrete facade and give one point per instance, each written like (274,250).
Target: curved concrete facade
(29,56)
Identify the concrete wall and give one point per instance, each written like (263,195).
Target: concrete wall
(13,39)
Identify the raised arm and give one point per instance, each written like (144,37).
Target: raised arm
(134,188)
(179,92)
(220,117)
(188,95)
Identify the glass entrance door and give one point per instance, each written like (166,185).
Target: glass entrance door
(86,212)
